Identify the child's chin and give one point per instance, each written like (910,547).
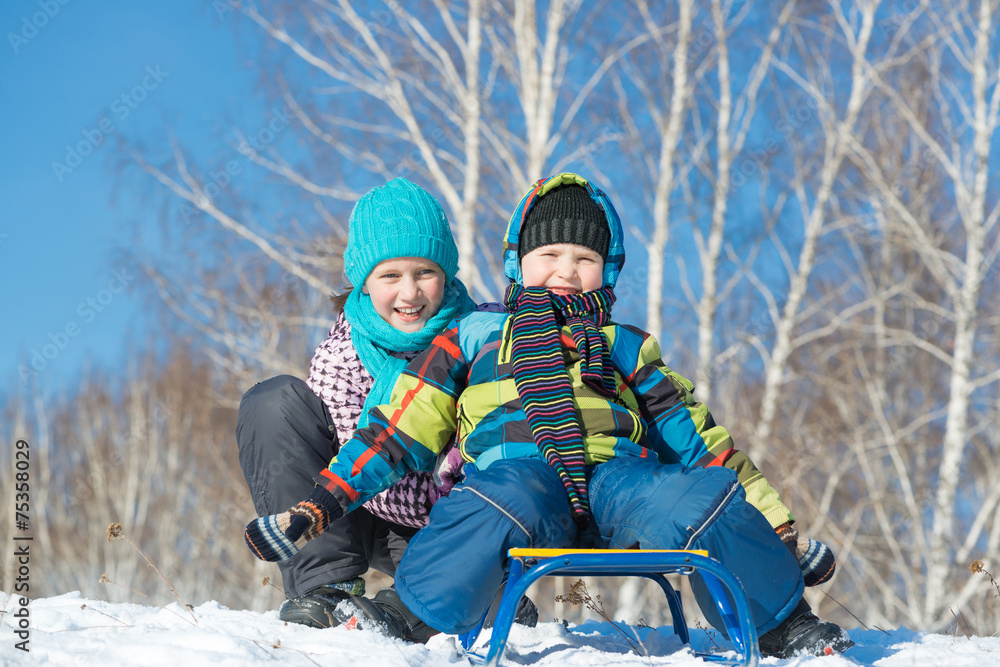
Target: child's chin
(409,327)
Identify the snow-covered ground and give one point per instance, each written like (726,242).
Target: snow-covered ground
(72,630)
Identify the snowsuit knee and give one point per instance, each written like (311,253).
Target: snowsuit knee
(638,503)
(513,503)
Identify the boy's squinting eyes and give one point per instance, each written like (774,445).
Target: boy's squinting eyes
(563,268)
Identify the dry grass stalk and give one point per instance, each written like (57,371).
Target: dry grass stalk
(115,533)
(977,567)
(709,632)
(117,620)
(961,625)
(853,615)
(578,594)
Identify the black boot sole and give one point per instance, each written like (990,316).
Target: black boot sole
(315,611)
(832,646)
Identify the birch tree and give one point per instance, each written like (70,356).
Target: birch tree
(953,129)
(374,89)
(733,122)
(658,163)
(373,56)
(813,195)
(150,451)
(904,486)
(381,89)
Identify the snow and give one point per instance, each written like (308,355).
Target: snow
(72,630)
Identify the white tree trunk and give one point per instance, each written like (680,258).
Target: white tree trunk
(670,135)
(966,309)
(835,149)
(729,144)
(465,222)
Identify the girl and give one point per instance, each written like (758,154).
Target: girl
(401,259)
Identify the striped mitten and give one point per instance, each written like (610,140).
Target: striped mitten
(280,536)
(816,560)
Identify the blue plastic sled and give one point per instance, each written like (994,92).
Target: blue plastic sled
(528,565)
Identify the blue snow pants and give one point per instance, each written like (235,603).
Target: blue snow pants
(453,567)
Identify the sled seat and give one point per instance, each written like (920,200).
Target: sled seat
(528,565)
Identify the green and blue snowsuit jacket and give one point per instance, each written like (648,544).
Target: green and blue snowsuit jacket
(463,385)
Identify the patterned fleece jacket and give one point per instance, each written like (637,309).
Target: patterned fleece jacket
(337,375)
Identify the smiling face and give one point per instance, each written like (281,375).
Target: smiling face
(406,291)
(563,268)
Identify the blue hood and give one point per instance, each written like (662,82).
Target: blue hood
(616,248)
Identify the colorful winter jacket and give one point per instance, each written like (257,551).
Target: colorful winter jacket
(463,385)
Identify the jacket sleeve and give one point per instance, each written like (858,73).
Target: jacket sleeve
(681,429)
(406,435)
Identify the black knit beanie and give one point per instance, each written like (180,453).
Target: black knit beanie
(566,214)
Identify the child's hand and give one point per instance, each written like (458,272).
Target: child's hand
(448,469)
(816,560)
(281,536)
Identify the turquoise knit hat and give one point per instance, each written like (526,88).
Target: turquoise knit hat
(398,219)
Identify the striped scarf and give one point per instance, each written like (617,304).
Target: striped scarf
(543,383)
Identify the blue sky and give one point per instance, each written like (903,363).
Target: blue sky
(74,77)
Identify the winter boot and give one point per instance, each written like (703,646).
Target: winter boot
(385,613)
(803,633)
(315,608)
(526,613)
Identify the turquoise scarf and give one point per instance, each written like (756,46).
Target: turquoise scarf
(374,339)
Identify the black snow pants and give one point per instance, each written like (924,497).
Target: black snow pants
(285,438)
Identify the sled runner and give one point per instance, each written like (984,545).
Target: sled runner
(528,565)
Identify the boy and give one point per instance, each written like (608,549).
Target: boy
(575,434)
